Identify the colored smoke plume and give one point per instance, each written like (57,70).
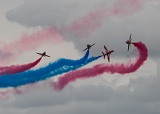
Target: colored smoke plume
(85,25)
(104,68)
(52,69)
(13,69)
(29,43)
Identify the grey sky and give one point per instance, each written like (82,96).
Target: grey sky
(140,96)
(143,24)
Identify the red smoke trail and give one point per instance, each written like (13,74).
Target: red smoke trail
(29,43)
(86,24)
(90,22)
(126,7)
(18,68)
(104,68)
(7,93)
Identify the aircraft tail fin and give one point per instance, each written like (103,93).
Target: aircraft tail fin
(103,55)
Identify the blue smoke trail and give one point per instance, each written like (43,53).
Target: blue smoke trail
(53,69)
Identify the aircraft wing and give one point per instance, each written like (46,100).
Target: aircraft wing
(108,58)
(85,49)
(103,55)
(39,53)
(105,48)
(130,37)
(93,44)
(47,56)
(128,46)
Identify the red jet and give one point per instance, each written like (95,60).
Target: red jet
(43,54)
(129,42)
(108,52)
(89,46)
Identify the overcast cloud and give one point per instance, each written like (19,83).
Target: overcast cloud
(143,23)
(139,96)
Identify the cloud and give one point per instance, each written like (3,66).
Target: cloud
(3,55)
(140,96)
(49,12)
(29,42)
(115,29)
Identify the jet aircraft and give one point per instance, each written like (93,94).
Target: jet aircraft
(108,52)
(89,46)
(43,54)
(129,42)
